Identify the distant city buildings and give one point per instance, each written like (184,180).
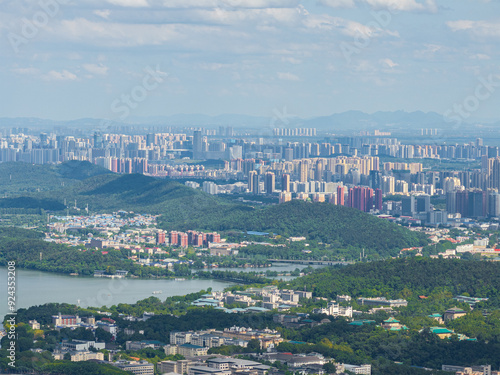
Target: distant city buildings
(295,163)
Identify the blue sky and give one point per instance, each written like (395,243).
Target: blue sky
(67,59)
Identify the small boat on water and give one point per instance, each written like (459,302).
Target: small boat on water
(158,292)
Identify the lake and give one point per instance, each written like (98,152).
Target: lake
(37,287)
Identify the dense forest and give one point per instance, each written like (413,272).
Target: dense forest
(337,225)
(407,278)
(20,178)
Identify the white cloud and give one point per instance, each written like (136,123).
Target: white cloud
(254,4)
(460,25)
(480,56)
(291,60)
(404,5)
(388,62)
(74,56)
(259,16)
(59,76)
(338,3)
(130,3)
(260,3)
(430,51)
(346,27)
(103,13)
(395,5)
(116,34)
(100,69)
(25,71)
(355,29)
(288,77)
(478,28)
(214,66)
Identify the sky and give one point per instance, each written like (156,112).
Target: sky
(118,59)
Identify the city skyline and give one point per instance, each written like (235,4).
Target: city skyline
(122,59)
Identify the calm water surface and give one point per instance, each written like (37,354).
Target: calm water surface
(36,288)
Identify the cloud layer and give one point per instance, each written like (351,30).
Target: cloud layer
(246,56)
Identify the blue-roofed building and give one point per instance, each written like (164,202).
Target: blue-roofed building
(362,322)
(392,324)
(202,302)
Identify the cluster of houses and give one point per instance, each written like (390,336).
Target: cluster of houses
(270,298)
(64,229)
(311,363)
(79,350)
(204,340)
(472,370)
(194,346)
(74,321)
(479,246)
(392,324)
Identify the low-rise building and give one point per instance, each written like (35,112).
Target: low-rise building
(179,367)
(363,369)
(186,350)
(442,332)
(381,301)
(454,313)
(334,309)
(344,298)
(231,363)
(136,367)
(437,317)
(204,370)
(108,327)
(470,300)
(86,356)
(484,369)
(138,345)
(66,320)
(392,324)
(81,345)
(294,360)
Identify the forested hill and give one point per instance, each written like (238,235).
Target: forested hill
(406,278)
(340,226)
(19,178)
(184,208)
(111,192)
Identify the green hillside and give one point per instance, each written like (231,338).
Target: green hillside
(17,178)
(337,225)
(136,193)
(406,278)
(183,208)
(112,192)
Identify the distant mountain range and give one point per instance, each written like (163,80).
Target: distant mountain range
(354,120)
